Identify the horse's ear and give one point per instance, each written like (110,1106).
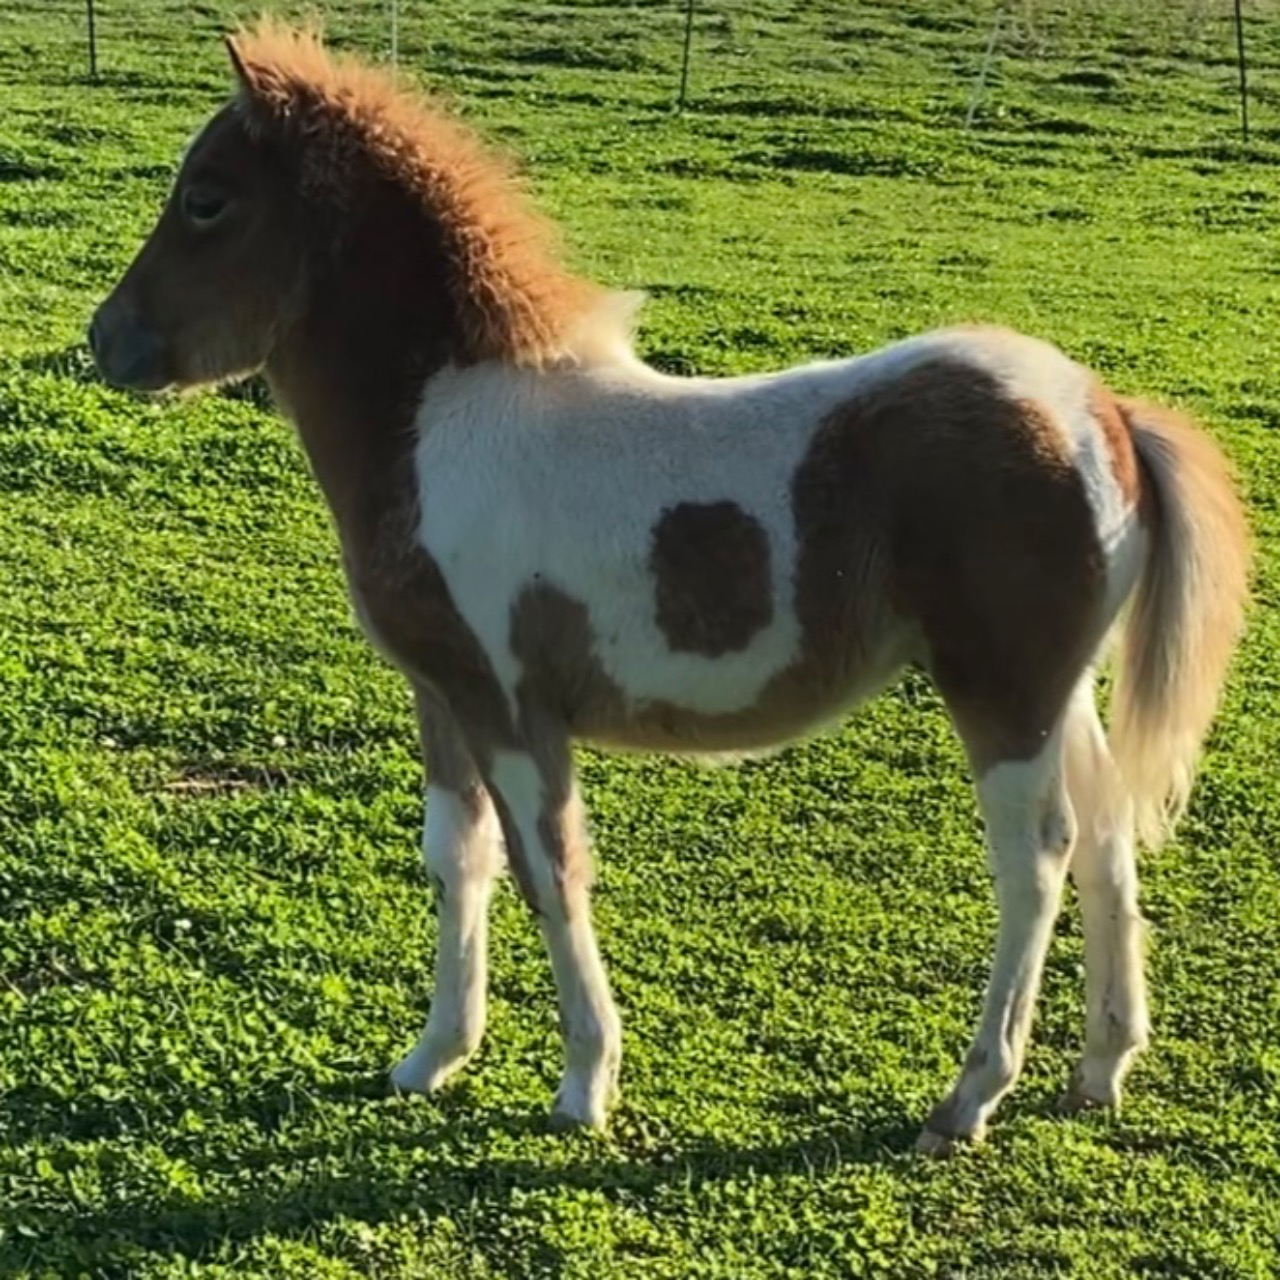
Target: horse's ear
(238,64)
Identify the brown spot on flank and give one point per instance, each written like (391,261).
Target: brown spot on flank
(710,564)
(1119,440)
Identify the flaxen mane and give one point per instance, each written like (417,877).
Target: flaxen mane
(351,122)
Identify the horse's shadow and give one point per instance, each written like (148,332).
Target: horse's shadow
(461,1179)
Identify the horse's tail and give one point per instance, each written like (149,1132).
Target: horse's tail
(1187,613)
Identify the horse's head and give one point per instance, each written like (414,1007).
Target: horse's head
(328,197)
(213,286)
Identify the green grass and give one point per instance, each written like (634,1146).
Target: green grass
(214,929)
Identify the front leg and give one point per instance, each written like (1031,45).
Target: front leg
(542,818)
(462,849)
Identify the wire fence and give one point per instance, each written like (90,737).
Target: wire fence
(1018,28)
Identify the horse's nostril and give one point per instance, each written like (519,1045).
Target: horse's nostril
(127,353)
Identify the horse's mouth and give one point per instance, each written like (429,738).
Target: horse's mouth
(142,383)
(128,354)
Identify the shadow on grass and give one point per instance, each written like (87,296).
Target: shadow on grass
(294,1189)
(74,362)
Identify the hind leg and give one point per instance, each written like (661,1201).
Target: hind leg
(1106,880)
(1029,835)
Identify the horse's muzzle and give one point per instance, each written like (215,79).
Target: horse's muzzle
(128,354)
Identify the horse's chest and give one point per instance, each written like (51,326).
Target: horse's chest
(405,607)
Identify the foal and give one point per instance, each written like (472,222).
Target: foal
(555,542)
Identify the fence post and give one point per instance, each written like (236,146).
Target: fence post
(688,42)
(1244,88)
(980,85)
(93,43)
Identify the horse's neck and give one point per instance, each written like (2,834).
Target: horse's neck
(349,368)
(350,387)
(381,316)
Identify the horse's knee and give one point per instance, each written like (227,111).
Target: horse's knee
(1058,824)
(461,837)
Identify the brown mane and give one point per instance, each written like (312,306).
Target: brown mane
(514,301)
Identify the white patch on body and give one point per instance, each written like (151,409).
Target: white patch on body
(558,478)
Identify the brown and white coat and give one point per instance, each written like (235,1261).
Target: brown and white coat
(557,543)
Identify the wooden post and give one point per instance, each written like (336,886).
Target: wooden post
(1244,88)
(688,42)
(975,97)
(93,43)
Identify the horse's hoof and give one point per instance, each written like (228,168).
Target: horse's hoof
(561,1121)
(949,1127)
(422,1071)
(576,1109)
(565,1122)
(1072,1103)
(940,1145)
(1077,1100)
(1102,1093)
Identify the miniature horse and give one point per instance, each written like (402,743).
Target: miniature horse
(555,542)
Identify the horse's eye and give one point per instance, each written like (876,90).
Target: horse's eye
(203,207)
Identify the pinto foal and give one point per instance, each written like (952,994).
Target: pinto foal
(555,542)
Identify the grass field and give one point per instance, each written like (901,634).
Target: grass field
(215,934)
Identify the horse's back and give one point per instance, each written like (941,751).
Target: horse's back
(739,558)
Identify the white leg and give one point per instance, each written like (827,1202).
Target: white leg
(463,852)
(1029,835)
(1106,879)
(550,856)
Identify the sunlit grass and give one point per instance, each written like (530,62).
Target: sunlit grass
(214,932)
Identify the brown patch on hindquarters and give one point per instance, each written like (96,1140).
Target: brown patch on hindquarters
(971,503)
(711,568)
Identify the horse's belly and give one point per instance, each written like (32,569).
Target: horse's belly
(732,703)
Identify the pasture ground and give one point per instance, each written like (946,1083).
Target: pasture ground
(214,930)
